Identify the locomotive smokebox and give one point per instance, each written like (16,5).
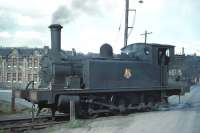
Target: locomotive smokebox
(55,38)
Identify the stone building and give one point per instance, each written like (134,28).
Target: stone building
(186,68)
(18,66)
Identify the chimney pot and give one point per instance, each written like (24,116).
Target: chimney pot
(55,38)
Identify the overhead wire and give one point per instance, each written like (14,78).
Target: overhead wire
(119,27)
(133,23)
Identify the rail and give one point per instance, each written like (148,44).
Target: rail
(24,124)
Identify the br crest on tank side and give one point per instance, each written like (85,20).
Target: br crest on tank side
(127,73)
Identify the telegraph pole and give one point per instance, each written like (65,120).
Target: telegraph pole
(126,23)
(127,19)
(145,36)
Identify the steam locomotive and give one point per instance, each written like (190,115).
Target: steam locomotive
(137,79)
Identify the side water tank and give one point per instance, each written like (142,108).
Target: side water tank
(106,51)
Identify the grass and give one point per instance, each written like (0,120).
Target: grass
(68,125)
(75,124)
(3,131)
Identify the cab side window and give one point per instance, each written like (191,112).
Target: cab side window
(163,56)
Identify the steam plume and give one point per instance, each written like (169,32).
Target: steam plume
(64,14)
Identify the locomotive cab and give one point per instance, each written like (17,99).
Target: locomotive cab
(152,52)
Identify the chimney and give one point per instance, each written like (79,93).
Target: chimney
(183,51)
(55,37)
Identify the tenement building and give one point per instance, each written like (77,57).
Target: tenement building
(19,66)
(186,67)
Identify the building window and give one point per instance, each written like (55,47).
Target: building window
(179,72)
(29,62)
(14,77)
(1,60)
(9,62)
(9,77)
(19,76)
(14,62)
(35,62)
(29,77)
(20,61)
(35,76)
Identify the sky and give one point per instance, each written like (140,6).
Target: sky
(87,24)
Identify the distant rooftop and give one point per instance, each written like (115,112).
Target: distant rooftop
(23,51)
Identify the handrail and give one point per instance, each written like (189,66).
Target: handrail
(31,82)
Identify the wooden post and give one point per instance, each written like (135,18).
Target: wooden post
(13,98)
(53,111)
(163,97)
(72,110)
(33,112)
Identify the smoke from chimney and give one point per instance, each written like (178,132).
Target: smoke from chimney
(64,14)
(90,7)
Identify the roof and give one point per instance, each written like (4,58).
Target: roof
(152,44)
(192,58)
(5,51)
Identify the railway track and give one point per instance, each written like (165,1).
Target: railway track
(24,124)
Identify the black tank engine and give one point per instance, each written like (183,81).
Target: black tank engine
(135,79)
